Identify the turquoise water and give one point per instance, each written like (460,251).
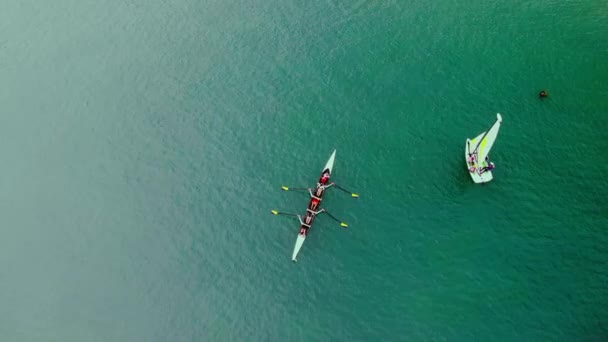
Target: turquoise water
(144,144)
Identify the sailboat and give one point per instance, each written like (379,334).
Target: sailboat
(476,152)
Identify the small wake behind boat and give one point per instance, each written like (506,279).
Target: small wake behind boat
(314,205)
(476,153)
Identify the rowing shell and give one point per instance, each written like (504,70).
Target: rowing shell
(305,228)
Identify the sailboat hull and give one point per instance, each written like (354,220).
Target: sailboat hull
(480,146)
(474,169)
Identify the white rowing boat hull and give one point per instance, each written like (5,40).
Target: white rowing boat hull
(300,240)
(330,162)
(296,248)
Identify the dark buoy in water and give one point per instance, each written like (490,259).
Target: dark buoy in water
(543,93)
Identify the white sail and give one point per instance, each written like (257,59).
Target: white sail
(477,149)
(485,145)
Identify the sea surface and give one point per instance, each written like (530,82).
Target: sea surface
(143,144)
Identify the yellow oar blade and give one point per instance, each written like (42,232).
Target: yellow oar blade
(355,195)
(343,224)
(285,188)
(275,212)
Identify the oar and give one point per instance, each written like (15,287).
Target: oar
(349,192)
(343,224)
(275,212)
(293,189)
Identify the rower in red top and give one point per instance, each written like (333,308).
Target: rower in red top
(314,203)
(325,178)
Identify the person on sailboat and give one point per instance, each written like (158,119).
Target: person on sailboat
(472,159)
(489,167)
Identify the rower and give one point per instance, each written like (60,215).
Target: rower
(308,218)
(314,203)
(321,188)
(302,223)
(324,178)
(313,196)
